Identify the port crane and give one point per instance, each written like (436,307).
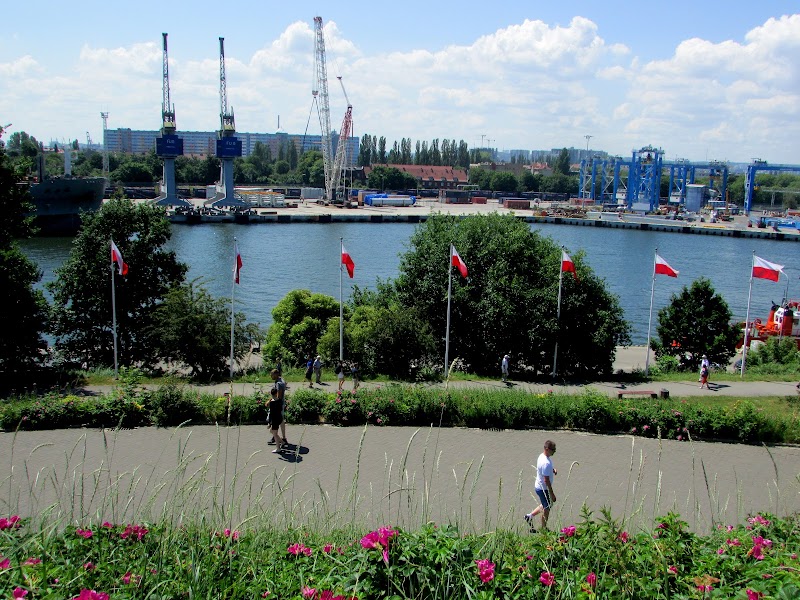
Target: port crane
(229,146)
(333,163)
(168,145)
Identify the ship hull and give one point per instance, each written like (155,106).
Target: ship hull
(60,202)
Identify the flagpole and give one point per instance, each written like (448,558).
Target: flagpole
(233,291)
(650,319)
(558,313)
(114,319)
(747,317)
(447,331)
(341,309)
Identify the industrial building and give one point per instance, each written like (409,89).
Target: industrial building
(203,143)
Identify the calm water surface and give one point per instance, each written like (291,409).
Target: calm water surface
(282,257)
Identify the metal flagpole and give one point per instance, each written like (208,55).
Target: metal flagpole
(558,311)
(447,331)
(233,291)
(747,317)
(341,309)
(114,319)
(650,319)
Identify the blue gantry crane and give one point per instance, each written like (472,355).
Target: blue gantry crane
(228,146)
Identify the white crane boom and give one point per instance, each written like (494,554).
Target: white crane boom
(320,92)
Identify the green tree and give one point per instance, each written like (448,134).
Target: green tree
(503,181)
(697,321)
(82,312)
(508,303)
(562,165)
(23,309)
(193,328)
(298,322)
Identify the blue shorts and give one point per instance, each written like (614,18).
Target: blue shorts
(544,498)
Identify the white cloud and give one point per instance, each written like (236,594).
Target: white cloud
(21,67)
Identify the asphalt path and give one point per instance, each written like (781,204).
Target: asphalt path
(400,476)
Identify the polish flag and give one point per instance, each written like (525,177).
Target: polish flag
(347,261)
(237,265)
(455,260)
(766,270)
(662,268)
(567,266)
(116,257)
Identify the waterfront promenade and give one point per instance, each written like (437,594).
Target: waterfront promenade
(395,475)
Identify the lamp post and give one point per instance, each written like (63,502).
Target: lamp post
(588,137)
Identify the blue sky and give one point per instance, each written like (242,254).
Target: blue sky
(702,80)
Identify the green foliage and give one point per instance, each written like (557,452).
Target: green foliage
(562,166)
(82,310)
(23,309)
(695,322)
(503,181)
(508,303)
(779,351)
(193,328)
(390,178)
(299,320)
(594,558)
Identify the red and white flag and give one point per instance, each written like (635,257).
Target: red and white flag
(567,266)
(347,261)
(662,268)
(766,270)
(456,261)
(237,265)
(116,257)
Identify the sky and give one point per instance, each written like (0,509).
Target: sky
(702,80)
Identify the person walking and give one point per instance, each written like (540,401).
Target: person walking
(354,375)
(309,371)
(276,420)
(318,369)
(705,367)
(504,368)
(339,370)
(280,388)
(545,471)
(279,366)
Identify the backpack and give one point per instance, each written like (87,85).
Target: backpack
(338,369)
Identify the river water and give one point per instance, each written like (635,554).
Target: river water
(281,257)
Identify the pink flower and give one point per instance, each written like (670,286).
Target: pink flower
(235,535)
(386,555)
(720,550)
(379,421)
(298,549)
(32,561)
(4,563)
(591,579)
(793,556)
(729,527)
(646,427)
(89,566)
(308,592)
(705,588)
(84,533)
(547,578)
(733,542)
(19,593)
(126,579)
(91,595)
(633,430)
(568,531)
(623,537)
(673,569)
(107,525)
(227,533)
(680,438)
(752,595)
(12,522)
(370,540)
(758,519)
(327,548)
(485,569)
(139,531)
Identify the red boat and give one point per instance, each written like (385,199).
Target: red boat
(783,321)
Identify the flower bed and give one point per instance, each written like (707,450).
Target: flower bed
(595,558)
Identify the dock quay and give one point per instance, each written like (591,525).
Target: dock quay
(310,212)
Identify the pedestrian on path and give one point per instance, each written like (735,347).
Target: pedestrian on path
(339,370)
(318,369)
(504,368)
(545,471)
(280,388)
(705,366)
(354,374)
(276,419)
(309,371)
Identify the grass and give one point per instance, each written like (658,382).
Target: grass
(210,520)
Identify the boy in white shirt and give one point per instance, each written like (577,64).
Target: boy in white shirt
(544,485)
